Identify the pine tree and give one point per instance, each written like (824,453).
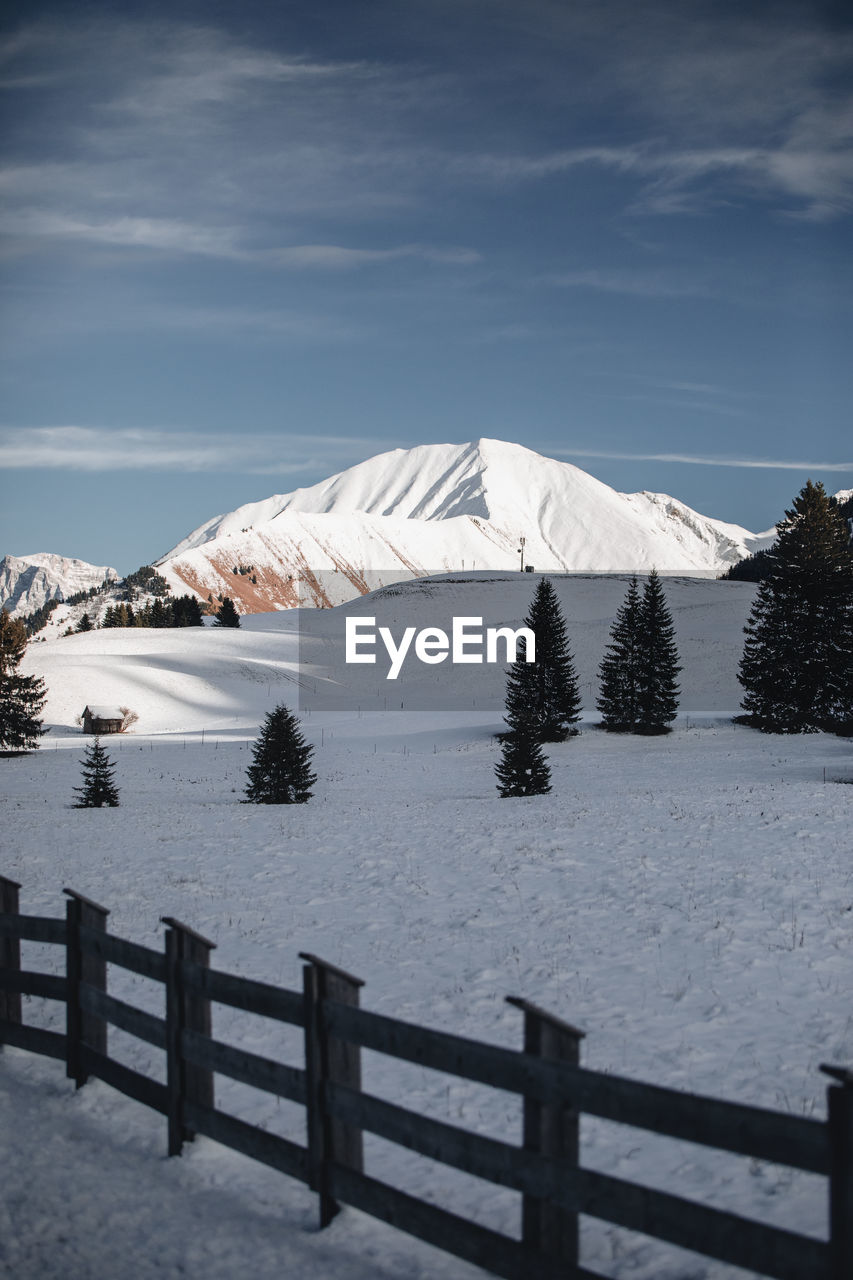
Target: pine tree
(21,697)
(797,664)
(85,623)
(657,688)
(227,615)
(619,672)
(98,787)
(186,612)
(545,690)
(160,615)
(523,769)
(280,772)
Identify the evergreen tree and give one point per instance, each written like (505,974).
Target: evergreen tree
(545,690)
(619,672)
(753,568)
(227,615)
(280,772)
(85,623)
(21,697)
(797,664)
(98,787)
(657,688)
(523,769)
(160,614)
(186,612)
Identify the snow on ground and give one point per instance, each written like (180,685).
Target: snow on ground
(687,901)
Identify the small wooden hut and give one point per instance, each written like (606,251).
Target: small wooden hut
(102,719)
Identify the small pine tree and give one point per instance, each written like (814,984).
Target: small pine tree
(227,615)
(98,787)
(797,665)
(280,772)
(657,688)
(545,690)
(85,623)
(21,697)
(523,769)
(619,670)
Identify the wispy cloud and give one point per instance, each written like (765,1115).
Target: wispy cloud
(99,449)
(705,460)
(638,282)
(680,181)
(168,235)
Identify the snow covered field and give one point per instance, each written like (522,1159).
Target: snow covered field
(687,901)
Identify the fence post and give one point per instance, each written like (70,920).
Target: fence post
(552,1129)
(10,952)
(186,1008)
(839,1099)
(82,1028)
(327,1059)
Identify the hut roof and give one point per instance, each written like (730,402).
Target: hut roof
(104,713)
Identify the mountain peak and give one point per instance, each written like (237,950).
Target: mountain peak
(439,507)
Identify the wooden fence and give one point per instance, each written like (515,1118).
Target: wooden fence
(547,1074)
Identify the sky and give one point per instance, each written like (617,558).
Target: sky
(247,245)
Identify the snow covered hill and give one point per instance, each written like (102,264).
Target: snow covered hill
(442,507)
(28,582)
(218,679)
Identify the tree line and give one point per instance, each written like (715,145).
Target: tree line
(180,611)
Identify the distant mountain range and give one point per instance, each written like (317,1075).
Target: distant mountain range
(442,507)
(28,582)
(408,512)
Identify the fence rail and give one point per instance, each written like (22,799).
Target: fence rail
(545,1170)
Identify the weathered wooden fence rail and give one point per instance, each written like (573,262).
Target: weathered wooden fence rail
(546,1170)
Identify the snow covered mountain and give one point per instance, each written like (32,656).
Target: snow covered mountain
(440,507)
(28,582)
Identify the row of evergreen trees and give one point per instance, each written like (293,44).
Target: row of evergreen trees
(638,688)
(181,611)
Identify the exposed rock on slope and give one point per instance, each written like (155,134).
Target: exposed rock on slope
(28,582)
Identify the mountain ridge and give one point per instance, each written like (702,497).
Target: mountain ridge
(442,507)
(29,582)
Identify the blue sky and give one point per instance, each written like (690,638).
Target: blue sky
(245,246)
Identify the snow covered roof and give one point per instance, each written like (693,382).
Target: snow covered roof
(104,713)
